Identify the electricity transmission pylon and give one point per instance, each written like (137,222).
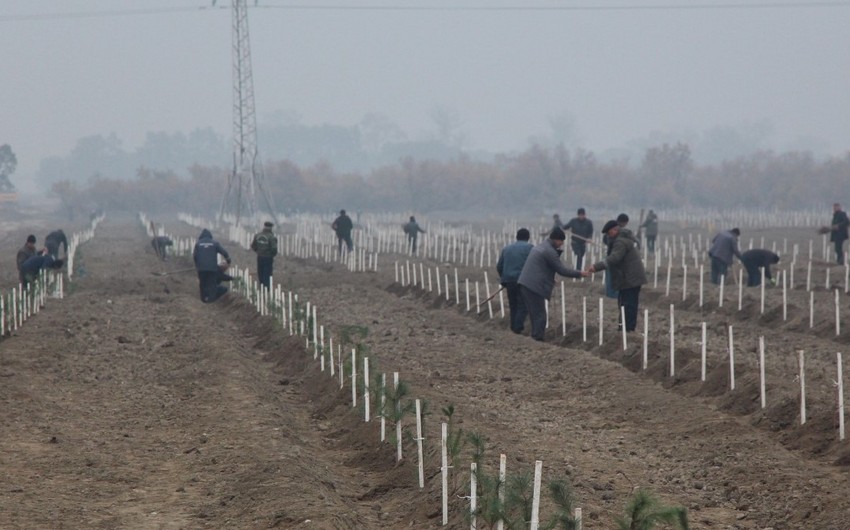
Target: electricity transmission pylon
(247,179)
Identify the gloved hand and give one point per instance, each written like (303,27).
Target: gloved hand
(772,281)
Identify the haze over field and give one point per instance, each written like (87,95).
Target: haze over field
(725,80)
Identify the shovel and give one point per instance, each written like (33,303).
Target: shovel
(172,272)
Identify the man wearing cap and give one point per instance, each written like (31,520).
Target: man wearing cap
(537,279)
(265,245)
(27,251)
(342,225)
(582,232)
(723,248)
(509,267)
(625,270)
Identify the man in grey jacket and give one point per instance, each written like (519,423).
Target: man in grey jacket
(537,279)
(625,270)
(509,266)
(723,248)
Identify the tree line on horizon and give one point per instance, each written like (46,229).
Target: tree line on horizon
(539,179)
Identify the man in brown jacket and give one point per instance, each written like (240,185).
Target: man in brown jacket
(625,269)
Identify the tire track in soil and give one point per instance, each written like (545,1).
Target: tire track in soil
(130,404)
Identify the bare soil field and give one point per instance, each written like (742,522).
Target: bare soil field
(132,405)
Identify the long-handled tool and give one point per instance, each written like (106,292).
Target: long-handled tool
(492,296)
(587,240)
(172,272)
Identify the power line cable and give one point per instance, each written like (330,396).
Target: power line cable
(623,7)
(450,8)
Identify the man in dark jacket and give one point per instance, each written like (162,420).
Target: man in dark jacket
(265,245)
(412,229)
(756,259)
(205,255)
(651,225)
(509,267)
(160,246)
(27,251)
(625,270)
(582,231)
(723,248)
(31,267)
(53,240)
(342,225)
(838,231)
(537,279)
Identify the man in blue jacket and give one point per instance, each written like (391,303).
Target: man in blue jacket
(33,264)
(205,255)
(537,279)
(509,266)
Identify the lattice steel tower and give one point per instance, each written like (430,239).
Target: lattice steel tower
(247,179)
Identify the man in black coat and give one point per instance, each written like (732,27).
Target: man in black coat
(838,231)
(31,267)
(205,255)
(582,231)
(756,259)
(54,240)
(342,225)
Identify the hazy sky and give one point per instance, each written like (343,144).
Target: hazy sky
(622,73)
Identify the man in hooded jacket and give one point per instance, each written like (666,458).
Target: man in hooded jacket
(205,255)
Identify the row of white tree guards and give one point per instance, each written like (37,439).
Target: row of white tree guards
(19,304)
(286,308)
(382,234)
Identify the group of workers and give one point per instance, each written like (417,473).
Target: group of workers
(343,226)
(211,273)
(527,272)
(30,260)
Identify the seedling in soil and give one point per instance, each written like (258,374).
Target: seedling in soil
(645,512)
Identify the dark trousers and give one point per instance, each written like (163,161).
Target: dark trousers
(517,307)
(209,286)
(347,240)
(839,252)
(536,306)
(718,269)
(629,299)
(265,264)
(650,243)
(411,243)
(754,274)
(579,251)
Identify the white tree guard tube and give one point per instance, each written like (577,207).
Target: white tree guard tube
(623,326)
(419,439)
(645,338)
(398,415)
(383,407)
(366,404)
(353,377)
(762,392)
(802,362)
(444,472)
(703,349)
(672,341)
(500,524)
(535,499)
(731,359)
(473,496)
(601,303)
(840,397)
